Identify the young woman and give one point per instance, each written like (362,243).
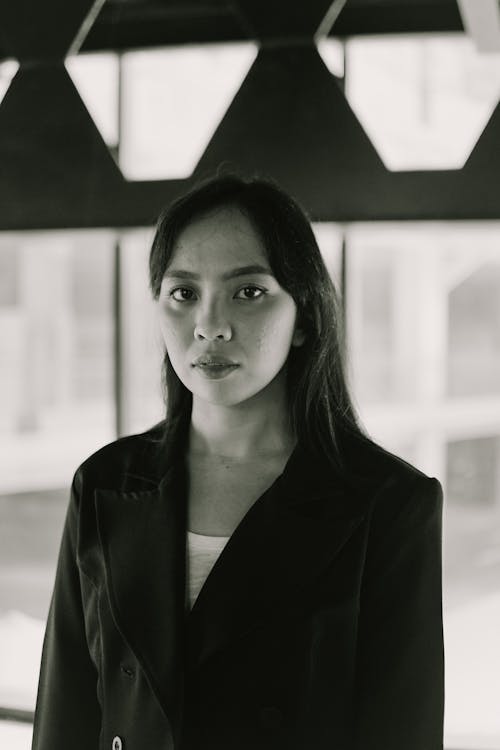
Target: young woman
(253,572)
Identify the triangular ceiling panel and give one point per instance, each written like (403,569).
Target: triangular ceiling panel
(291,120)
(49,146)
(486,153)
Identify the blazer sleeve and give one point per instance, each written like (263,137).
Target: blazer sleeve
(400,660)
(67,710)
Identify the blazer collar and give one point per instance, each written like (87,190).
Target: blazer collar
(292,532)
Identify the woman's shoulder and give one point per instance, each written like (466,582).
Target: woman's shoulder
(134,455)
(393,484)
(363,455)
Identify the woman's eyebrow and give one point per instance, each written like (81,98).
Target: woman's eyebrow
(179,273)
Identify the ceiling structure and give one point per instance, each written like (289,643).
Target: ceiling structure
(125,24)
(289,120)
(142,23)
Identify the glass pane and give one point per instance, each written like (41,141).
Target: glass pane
(329,238)
(423,100)
(142,342)
(56,408)
(96,76)
(474,327)
(56,345)
(472,576)
(423,317)
(332,52)
(14,736)
(383,315)
(173,100)
(8,69)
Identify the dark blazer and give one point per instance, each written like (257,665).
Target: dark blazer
(318,628)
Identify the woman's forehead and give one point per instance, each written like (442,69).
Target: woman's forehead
(222,236)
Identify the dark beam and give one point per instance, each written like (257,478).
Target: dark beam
(32,30)
(282,19)
(363,17)
(123,25)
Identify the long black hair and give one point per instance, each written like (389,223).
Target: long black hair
(318,398)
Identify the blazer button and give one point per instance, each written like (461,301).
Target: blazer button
(270,717)
(117,743)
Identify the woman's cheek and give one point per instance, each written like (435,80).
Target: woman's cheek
(269,332)
(174,324)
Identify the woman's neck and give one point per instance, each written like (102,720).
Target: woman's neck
(253,429)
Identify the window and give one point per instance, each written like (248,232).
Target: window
(56,407)
(423,99)
(158,108)
(423,317)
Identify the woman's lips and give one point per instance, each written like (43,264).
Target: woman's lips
(215,371)
(213,359)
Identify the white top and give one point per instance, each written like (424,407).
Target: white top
(202,552)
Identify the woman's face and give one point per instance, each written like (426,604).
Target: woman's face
(212,304)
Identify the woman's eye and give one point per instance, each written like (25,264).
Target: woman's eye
(184,294)
(181,294)
(251,292)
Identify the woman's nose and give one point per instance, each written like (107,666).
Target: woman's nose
(211,326)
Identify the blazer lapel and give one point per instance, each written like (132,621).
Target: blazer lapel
(142,540)
(289,535)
